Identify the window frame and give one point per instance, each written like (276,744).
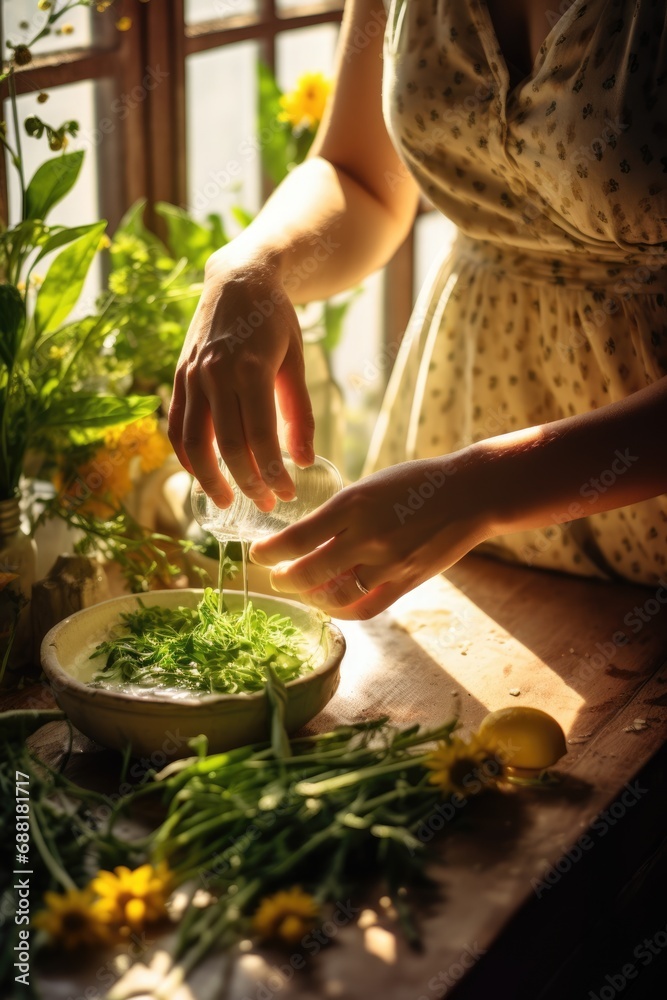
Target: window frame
(144,154)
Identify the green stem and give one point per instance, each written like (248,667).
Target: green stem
(18,162)
(59,874)
(218,924)
(330,832)
(334,784)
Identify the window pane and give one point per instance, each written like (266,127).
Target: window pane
(81,205)
(17,12)
(223,162)
(360,367)
(305,50)
(197,11)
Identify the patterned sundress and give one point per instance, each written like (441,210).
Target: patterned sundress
(553,299)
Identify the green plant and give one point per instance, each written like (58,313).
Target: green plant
(44,397)
(155,287)
(201,649)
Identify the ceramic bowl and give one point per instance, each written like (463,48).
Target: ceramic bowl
(157,727)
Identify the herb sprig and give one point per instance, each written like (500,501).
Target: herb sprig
(202,650)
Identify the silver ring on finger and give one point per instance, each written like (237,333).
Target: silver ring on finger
(364,590)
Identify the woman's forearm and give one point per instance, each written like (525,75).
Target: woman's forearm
(556,472)
(323,230)
(341,214)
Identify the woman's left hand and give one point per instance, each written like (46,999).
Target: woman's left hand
(379,538)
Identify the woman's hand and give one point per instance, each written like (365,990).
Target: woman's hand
(390,532)
(244,344)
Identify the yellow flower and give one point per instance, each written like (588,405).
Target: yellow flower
(286,916)
(455,766)
(104,243)
(124,23)
(66,29)
(143,438)
(45,4)
(154,452)
(74,919)
(101,483)
(304,106)
(57,353)
(132,899)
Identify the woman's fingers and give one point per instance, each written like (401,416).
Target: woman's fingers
(176,418)
(369,605)
(295,406)
(230,435)
(258,412)
(302,537)
(317,568)
(196,442)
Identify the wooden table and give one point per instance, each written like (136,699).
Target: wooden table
(535,896)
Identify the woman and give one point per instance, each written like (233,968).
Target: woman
(527,409)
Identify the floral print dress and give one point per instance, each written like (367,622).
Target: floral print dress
(553,299)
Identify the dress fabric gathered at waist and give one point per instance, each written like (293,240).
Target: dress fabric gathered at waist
(553,299)
(620,275)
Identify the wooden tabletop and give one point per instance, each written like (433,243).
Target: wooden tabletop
(524,887)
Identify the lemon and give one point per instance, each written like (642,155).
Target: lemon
(524,739)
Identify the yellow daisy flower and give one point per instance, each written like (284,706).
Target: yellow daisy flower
(304,106)
(73,919)
(143,438)
(132,899)
(286,916)
(455,766)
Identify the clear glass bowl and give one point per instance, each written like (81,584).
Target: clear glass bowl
(314,485)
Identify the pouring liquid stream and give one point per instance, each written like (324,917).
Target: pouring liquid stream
(243,522)
(222,571)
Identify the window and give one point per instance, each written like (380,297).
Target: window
(167,104)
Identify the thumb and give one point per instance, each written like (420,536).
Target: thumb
(295,407)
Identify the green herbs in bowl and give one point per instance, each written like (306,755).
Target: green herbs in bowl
(146,705)
(201,650)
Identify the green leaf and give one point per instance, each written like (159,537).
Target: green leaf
(132,224)
(218,234)
(187,238)
(242,216)
(133,220)
(277,143)
(64,280)
(89,410)
(61,237)
(12,318)
(51,182)
(276,693)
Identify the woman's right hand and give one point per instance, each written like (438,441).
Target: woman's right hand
(243,349)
